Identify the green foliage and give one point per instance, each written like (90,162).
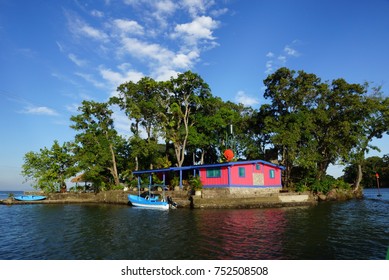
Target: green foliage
(97,140)
(313,123)
(195,183)
(175,181)
(306,126)
(49,168)
(370,167)
(327,184)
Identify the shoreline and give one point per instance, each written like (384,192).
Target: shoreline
(204,201)
(208,199)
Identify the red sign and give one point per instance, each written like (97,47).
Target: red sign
(378,176)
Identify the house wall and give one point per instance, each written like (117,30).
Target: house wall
(265,176)
(236,179)
(220,181)
(270,182)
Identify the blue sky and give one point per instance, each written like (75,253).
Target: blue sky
(55,54)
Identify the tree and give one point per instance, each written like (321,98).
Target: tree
(288,119)
(314,123)
(370,166)
(207,137)
(49,168)
(374,124)
(143,102)
(186,95)
(96,141)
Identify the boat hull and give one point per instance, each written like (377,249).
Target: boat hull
(139,201)
(29,197)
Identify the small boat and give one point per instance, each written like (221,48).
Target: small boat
(29,197)
(148,201)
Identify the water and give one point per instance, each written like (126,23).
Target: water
(356,229)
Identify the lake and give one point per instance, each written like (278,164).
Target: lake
(353,230)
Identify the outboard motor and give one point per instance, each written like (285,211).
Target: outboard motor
(171,202)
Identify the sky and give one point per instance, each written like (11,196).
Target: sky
(55,54)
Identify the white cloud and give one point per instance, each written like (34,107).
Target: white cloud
(287,52)
(80,28)
(60,47)
(243,98)
(200,28)
(196,7)
(146,50)
(281,58)
(219,12)
(116,78)
(269,67)
(89,78)
(129,26)
(165,7)
(290,51)
(39,110)
(73,108)
(76,60)
(133,2)
(185,61)
(92,32)
(144,36)
(164,73)
(97,13)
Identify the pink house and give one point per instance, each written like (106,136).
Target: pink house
(253,173)
(246,174)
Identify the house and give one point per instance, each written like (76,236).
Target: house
(253,173)
(238,174)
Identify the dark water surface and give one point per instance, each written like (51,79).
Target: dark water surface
(356,229)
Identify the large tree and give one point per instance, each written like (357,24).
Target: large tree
(288,121)
(48,169)
(143,102)
(314,123)
(374,124)
(208,136)
(187,93)
(96,139)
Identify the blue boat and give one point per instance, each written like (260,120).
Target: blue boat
(148,201)
(29,197)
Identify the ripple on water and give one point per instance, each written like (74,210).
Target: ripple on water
(355,229)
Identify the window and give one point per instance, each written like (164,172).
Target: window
(242,172)
(272,173)
(257,166)
(214,173)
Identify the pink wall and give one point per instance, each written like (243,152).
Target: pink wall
(277,175)
(236,180)
(223,180)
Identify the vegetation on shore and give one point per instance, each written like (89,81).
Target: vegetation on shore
(306,125)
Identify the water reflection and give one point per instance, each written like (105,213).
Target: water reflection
(243,234)
(356,229)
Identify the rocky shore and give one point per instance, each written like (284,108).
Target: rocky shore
(207,200)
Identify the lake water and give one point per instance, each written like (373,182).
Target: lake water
(354,230)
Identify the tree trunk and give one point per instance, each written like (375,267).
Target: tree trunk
(114,168)
(136,164)
(359,178)
(202,156)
